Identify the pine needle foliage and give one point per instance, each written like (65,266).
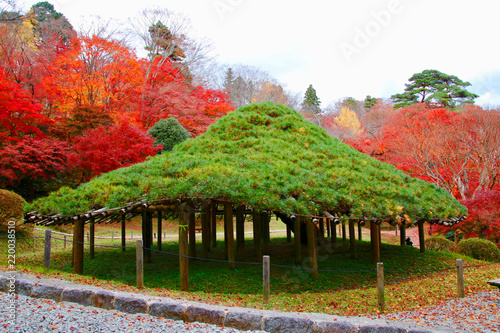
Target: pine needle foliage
(266,156)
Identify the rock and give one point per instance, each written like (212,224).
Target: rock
(173,311)
(50,292)
(381,329)
(83,297)
(205,314)
(244,320)
(104,299)
(131,304)
(335,327)
(288,324)
(24,287)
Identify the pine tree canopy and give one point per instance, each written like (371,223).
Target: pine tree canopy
(266,156)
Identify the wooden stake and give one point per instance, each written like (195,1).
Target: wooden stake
(460,278)
(266,280)
(139,253)
(78,252)
(380,286)
(47,248)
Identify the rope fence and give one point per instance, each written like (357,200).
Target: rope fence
(266,264)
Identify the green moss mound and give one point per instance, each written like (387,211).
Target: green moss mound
(11,210)
(269,157)
(481,249)
(439,243)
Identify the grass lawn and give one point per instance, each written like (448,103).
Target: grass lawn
(345,286)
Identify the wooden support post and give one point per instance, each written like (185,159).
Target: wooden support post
(360,231)
(421,236)
(213,225)
(321,228)
(257,234)
(312,248)
(228,217)
(47,248)
(78,252)
(296,240)
(205,228)
(139,264)
(352,238)
(266,278)
(460,278)
(344,234)
(192,230)
(147,234)
(183,248)
(327,222)
(375,233)
(333,233)
(124,243)
(380,286)
(265,219)
(288,234)
(159,229)
(402,235)
(240,232)
(92,238)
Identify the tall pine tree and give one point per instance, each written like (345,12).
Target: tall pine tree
(311,101)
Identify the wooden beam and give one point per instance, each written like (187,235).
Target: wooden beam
(421,236)
(78,239)
(159,229)
(312,248)
(92,238)
(257,234)
(228,217)
(352,238)
(124,244)
(183,247)
(402,235)
(192,230)
(296,239)
(265,219)
(213,223)
(205,228)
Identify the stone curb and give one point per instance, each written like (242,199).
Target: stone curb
(238,318)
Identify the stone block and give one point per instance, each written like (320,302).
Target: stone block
(80,296)
(24,287)
(335,327)
(47,292)
(244,320)
(205,314)
(288,324)
(131,304)
(104,299)
(381,329)
(168,310)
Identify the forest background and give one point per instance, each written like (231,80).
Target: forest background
(75,104)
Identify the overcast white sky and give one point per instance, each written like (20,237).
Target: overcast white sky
(343,48)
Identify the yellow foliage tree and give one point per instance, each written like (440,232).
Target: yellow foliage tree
(347,124)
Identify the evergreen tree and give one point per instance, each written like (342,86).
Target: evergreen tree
(311,101)
(370,102)
(168,133)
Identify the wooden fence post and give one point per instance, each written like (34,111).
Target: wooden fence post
(311,248)
(46,257)
(266,278)
(78,250)
(460,278)
(380,286)
(139,254)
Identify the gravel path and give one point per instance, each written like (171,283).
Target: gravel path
(477,313)
(41,315)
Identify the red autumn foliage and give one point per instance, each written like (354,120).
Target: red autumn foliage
(101,150)
(19,113)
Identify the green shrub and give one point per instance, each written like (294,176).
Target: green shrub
(439,243)
(481,249)
(11,209)
(168,133)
